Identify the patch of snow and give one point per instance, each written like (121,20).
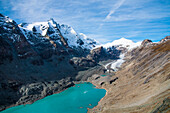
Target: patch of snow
(108,64)
(23,32)
(88,42)
(52,22)
(23,54)
(41,27)
(69,33)
(7,19)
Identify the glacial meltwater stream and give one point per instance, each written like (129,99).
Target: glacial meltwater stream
(73,100)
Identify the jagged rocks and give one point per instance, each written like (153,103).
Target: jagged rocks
(82,62)
(164,107)
(165,39)
(146,42)
(42,89)
(13,44)
(99,80)
(111,81)
(100,53)
(80,42)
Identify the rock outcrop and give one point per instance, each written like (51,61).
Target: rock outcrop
(101,53)
(165,39)
(146,42)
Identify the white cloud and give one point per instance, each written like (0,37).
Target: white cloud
(109,19)
(138,15)
(35,10)
(102,39)
(136,10)
(115,7)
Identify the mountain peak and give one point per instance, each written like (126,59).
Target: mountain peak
(122,42)
(53,23)
(146,41)
(56,31)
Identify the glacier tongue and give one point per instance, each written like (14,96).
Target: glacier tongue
(118,63)
(123,45)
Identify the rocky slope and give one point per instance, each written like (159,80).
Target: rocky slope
(141,85)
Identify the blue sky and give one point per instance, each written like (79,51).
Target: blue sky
(103,20)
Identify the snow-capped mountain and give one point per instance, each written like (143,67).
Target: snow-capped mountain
(122,42)
(118,48)
(56,33)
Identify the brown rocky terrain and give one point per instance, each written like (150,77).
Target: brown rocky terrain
(142,85)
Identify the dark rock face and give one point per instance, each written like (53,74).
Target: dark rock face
(101,53)
(13,43)
(80,63)
(111,81)
(80,42)
(35,91)
(164,107)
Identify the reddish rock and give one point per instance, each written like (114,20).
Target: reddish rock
(146,42)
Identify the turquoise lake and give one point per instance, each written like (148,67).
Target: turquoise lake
(73,100)
(103,75)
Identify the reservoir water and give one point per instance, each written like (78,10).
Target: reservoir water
(73,100)
(103,75)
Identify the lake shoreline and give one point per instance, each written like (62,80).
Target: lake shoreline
(98,87)
(31,102)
